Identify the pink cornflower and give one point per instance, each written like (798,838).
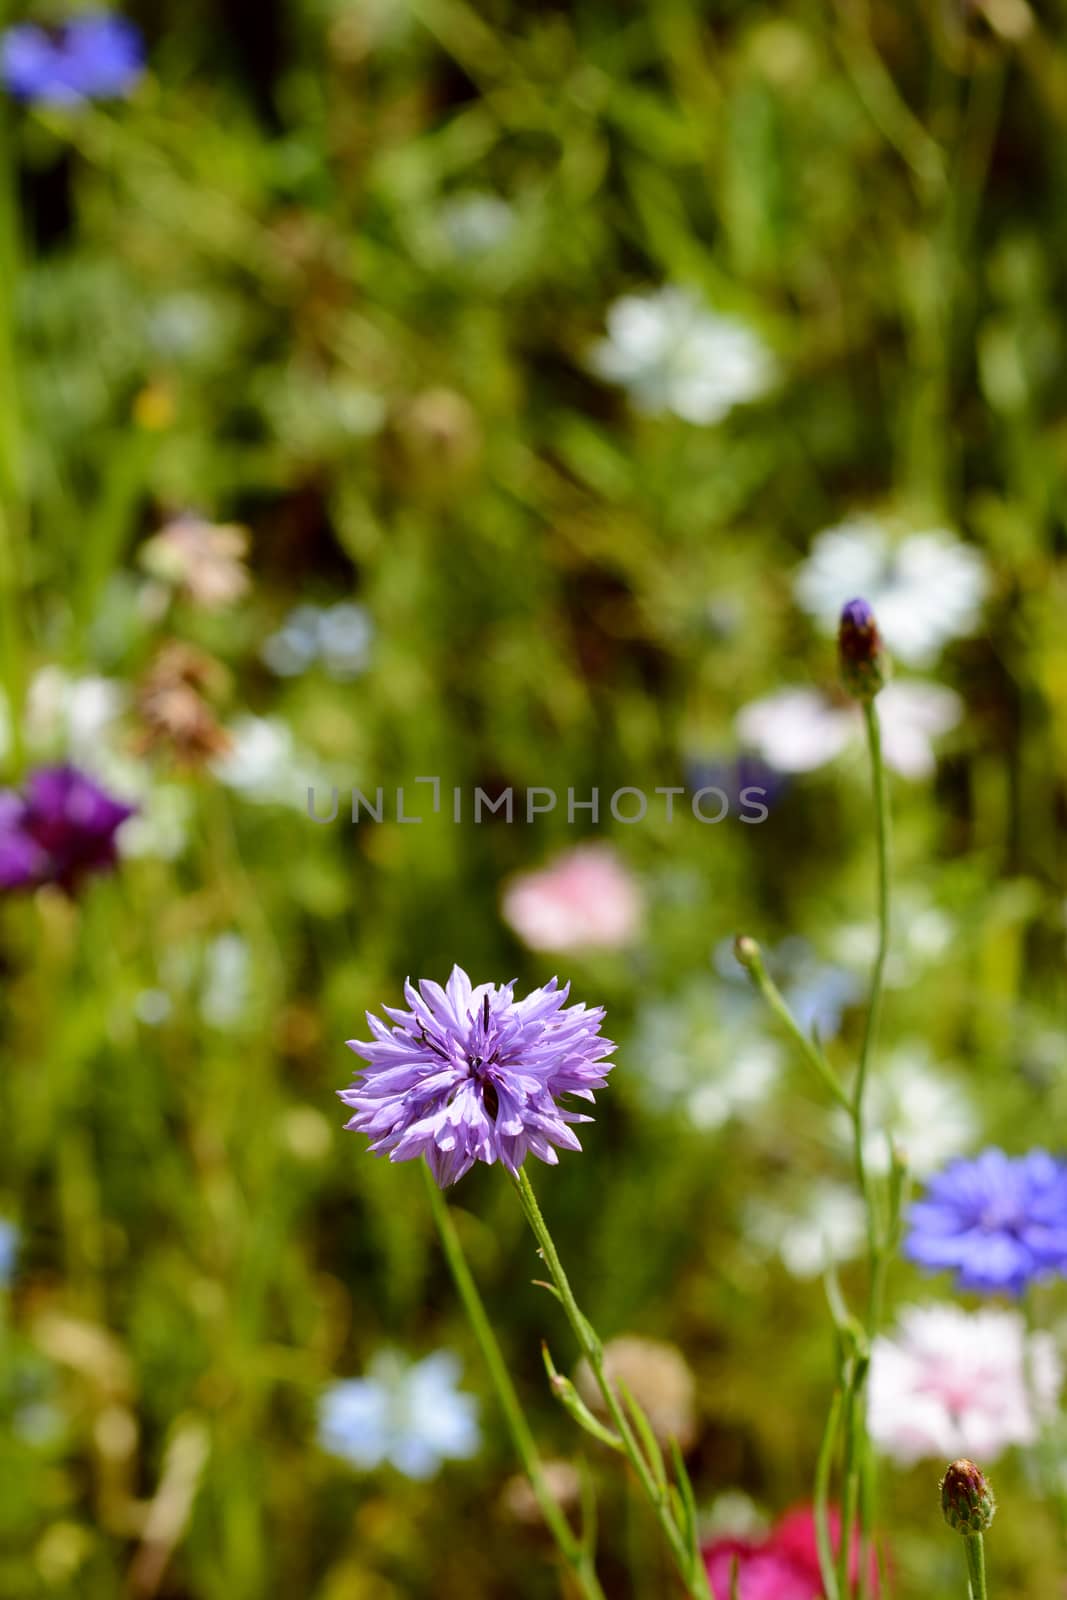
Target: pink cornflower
(584,899)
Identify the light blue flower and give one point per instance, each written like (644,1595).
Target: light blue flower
(336,637)
(9,1243)
(408,1415)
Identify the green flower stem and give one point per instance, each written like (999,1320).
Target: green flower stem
(686,1554)
(974,1549)
(856,1444)
(577,1556)
(823,1540)
(12,510)
(874,1006)
(753,960)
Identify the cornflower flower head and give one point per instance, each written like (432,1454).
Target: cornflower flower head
(411,1416)
(469,1074)
(61,830)
(948,1382)
(999,1223)
(96,56)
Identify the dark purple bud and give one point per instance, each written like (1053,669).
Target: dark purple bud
(864,664)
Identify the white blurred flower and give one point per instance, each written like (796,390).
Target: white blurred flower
(72,715)
(795,730)
(673,354)
(227,972)
(265,765)
(710,1061)
(926,1111)
(152,1007)
(79,719)
(922,933)
(925,589)
(475,222)
(411,1417)
(913,714)
(799,730)
(954,1383)
(160,826)
(828,1226)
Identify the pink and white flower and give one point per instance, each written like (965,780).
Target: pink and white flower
(585,899)
(954,1383)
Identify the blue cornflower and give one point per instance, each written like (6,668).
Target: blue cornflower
(95,56)
(411,1416)
(9,1243)
(999,1223)
(472,1074)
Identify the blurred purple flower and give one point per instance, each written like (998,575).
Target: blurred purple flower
(91,57)
(999,1223)
(22,861)
(733,774)
(61,830)
(472,1074)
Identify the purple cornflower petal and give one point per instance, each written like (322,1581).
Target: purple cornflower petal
(22,861)
(91,57)
(64,829)
(472,1074)
(999,1223)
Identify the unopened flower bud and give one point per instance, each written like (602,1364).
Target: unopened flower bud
(864,664)
(966,1498)
(746,950)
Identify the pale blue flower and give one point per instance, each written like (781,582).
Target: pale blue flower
(408,1416)
(9,1244)
(337,638)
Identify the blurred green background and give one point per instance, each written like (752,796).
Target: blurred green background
(348,276)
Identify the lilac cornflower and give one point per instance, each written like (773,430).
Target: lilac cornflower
(96,56)
(59,831)
(472,1074)
(999,1223)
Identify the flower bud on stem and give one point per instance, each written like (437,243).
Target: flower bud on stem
(969,1506)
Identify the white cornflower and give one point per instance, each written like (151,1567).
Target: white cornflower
(799,730)
(265,765)
(828,1226)
(675,355)
(80,719)
(925,1110)
(705,1059)
(795,730)
(913,713)
(955,1383)
(475,222)
(925,589)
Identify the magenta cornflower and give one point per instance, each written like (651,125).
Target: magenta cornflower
(470,1074)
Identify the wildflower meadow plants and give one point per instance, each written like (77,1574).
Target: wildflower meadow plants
(527,398)
(468,1073)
